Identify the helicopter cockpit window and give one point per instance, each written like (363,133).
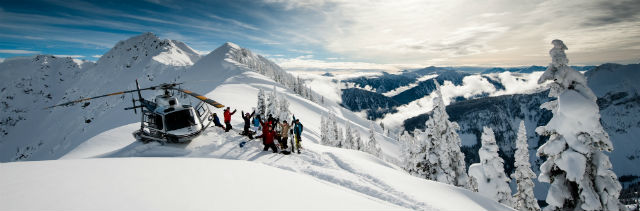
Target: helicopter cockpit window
(179,119)
(157,119)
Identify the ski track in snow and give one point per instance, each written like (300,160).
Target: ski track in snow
(315,160)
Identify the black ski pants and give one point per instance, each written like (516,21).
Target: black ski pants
(272,146)
(227,126)
(283,142)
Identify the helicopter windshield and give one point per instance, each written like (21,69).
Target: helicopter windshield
(179,119)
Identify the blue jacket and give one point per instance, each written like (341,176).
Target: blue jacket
(256,121)
(216,120)
(297,126)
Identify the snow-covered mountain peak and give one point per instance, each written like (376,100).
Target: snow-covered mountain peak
(231,45)
(20,67)
(608,78)
(229,56)
(145,49)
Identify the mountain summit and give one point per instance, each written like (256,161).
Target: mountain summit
(148,48)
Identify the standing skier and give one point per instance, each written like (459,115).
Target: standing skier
(227,118)
(284,134)
(297,131)
(265,128)
(247,119)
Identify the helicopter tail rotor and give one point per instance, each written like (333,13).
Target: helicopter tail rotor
(134,105)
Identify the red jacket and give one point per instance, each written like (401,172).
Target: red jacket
(268,137)
(227,115)
(265,126)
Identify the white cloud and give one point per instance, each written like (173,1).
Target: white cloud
(472,85)
(14,51)
(469,32)
(235,22)
(72,56)
(304,63)
(514,83)
(96,56)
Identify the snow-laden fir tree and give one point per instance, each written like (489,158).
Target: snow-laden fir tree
(357,141)
(406,141)
(416,149)
(444,154)
(340,138)
(372,146)
(348,137)
(578,170)
(272,103)
(283,107)
(324,130)
(332,134)
(412,155)
(489,173)
(261,107)
(523,200)
(337,142)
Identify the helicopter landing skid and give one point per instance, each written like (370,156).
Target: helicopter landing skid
(146,138)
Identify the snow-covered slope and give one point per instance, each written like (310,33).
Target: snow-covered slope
(27,84)
(170,184)
(32,133)
(348,171)
(231,76)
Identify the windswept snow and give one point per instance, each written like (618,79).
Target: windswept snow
(351,171)
(170,184)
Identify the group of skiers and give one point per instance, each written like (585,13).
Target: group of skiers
(270,129)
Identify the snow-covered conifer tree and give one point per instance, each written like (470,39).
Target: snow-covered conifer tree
(323,130)
(489,173)
(372,146)
(411,154)
(261,107)
(425,160)
(348,137)
(523,200)
(444,155)
(579,172)
(283,107)
(333,130)
(357,141)
(272,103)
(340,139)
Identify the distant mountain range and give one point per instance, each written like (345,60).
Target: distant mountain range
(615,85)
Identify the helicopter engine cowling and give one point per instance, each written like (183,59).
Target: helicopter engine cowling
(166,101)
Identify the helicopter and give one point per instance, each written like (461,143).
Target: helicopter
(164,119)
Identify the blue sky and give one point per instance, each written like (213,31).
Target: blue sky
(336,34)
(85,28)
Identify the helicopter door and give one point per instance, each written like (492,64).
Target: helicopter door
(204,114)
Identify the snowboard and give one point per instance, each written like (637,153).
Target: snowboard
(285,152)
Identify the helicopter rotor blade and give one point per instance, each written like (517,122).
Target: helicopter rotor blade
(138,89)
(106,95)
(200,97)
